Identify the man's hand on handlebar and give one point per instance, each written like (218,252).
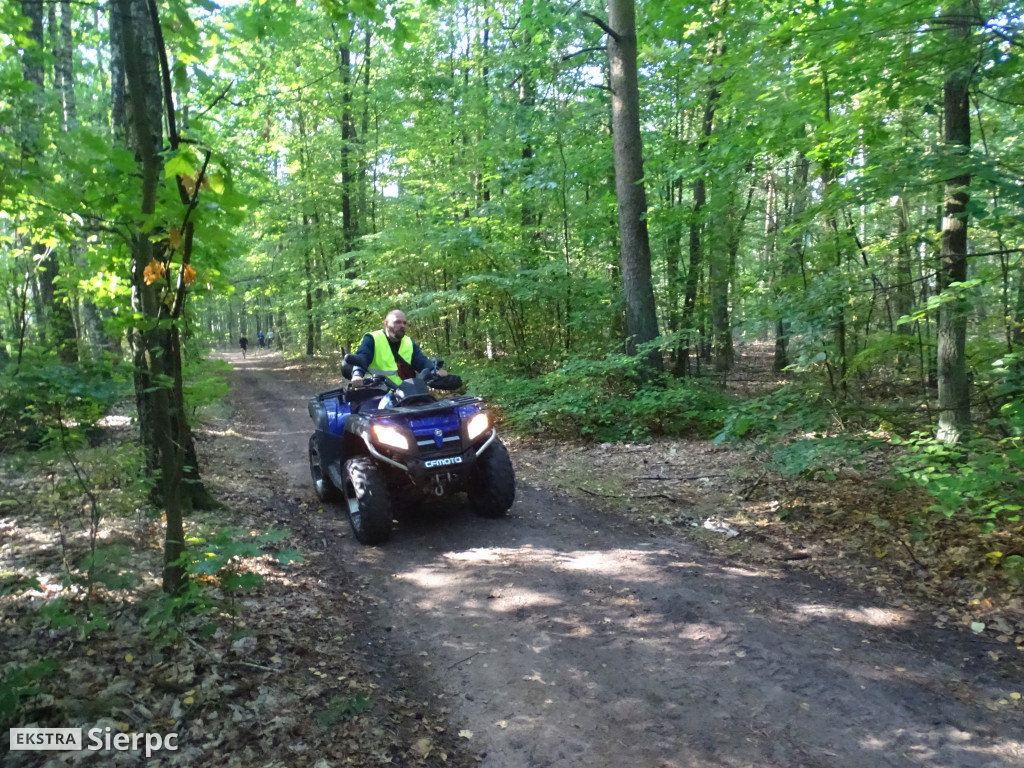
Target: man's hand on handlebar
(357,380)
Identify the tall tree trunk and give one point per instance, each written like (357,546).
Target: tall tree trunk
(777,257)
(792,263)
(1018,313)
(59,324)
(696,265)
(954,391)
(364,195)
(93,336)
(837,360)
(695,269)
(311,325)
(903,294)
(530,216)
(55,324)
(62,320)
(720,277)
(32,72)
(635,247)
(348,139)
(673,257)
(154,340)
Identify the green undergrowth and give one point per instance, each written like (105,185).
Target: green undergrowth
(46,403)
(800,432)
(603,400)
(80,578)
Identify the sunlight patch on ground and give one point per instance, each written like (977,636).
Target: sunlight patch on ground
(114,421)
(746,572)
(925,753)
(478,555)
(702,632)
(429,578)
(595,562)
(875,617)
(608,562)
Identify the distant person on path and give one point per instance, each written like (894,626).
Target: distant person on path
(244,344)
(391,351)
(260,339)
(270,338)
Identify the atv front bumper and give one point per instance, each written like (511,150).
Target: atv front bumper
(422,469)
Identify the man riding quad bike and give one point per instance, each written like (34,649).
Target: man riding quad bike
(383,442)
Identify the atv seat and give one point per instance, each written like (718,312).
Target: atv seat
(364,398)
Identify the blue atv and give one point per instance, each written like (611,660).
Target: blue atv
(384,443)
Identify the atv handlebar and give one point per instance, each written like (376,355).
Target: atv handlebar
(374,378)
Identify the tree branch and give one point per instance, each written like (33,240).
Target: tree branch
(603,25)
(568,56)
(223,94)
(188,228)
(165,73)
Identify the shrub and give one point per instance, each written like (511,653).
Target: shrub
(600,399)
(790,408)
(44,398)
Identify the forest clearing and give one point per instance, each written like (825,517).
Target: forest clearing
(740,285)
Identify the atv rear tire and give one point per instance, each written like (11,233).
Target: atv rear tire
(369,503)
(325,489)
(493,488)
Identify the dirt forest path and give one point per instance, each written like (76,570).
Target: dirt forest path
(567,637)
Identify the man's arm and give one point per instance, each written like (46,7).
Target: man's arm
(419,360)
(365,351)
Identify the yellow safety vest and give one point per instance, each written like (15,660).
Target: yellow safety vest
(383,359)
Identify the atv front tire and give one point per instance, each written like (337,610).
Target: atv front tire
(325,489)
(369,503)
(493,488)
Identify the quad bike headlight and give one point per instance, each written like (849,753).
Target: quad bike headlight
(477,425)
(390,436)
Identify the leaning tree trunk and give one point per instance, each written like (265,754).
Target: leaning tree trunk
(635,247)
(954,391)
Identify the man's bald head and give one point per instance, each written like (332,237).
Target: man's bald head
(394,324)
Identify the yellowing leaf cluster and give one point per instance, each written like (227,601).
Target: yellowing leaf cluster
(154,271)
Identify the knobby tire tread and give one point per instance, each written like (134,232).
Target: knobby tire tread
(372,525)
(494,488)
(325,490)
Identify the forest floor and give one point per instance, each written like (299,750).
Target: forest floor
(664,605)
